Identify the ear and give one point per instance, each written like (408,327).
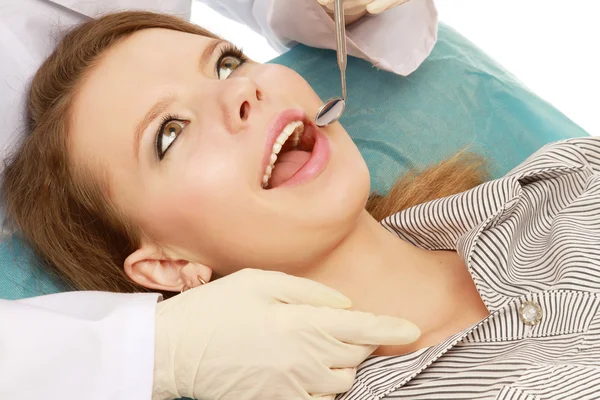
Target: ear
(149,267)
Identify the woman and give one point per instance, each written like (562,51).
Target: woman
(185,162)
(65,321)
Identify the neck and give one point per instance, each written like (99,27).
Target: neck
(385,275)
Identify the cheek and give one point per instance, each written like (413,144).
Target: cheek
(212,184)
(191,203)
(296,89)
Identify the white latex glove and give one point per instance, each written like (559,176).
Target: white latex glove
(354,9)
(265,335)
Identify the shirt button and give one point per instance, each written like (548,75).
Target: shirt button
(530,313)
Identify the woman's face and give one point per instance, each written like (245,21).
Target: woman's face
(184,138)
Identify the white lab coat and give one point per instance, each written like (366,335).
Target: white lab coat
(92,345)
(77,345)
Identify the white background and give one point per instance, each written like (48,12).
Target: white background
(552,46)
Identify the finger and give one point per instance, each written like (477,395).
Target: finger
(293,290)
(324,397)
(346,355)
(325,350)
(332,382)
(325,2)
(379,6)
(364,328)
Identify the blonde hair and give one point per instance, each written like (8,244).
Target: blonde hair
(65,214)
(461,172)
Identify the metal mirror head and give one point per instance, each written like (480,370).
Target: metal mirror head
(330,112)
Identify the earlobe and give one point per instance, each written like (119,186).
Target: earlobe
(149,267)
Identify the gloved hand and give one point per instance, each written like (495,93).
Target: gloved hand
(354,9)
(264,335)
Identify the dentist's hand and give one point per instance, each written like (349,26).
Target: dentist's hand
(354,9)
(265,335)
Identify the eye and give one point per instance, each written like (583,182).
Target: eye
(167,134)
(231,58)
(227,66)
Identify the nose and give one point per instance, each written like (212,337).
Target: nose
(240,98)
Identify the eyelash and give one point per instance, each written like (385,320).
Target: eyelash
(229,50)
(158,142)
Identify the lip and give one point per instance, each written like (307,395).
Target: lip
(319,155)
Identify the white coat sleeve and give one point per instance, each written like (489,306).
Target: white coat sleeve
(398,40)
(78,345)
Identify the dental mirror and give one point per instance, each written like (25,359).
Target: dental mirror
(333,108)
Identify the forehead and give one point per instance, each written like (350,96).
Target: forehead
(145,62)
(126,82)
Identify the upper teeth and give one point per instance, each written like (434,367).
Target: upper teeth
(296,128)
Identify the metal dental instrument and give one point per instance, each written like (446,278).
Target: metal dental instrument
(333,108)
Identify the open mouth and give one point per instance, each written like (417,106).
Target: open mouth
(291,152)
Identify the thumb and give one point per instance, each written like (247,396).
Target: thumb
(379,6)
(362,328)
(293,290)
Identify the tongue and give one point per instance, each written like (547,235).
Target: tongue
(287,165)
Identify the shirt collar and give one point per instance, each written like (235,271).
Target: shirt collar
(454,222)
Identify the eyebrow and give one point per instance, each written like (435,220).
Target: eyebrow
(154,112)
(209,50)
(165,102)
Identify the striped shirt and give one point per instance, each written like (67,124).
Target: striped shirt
(531,242)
